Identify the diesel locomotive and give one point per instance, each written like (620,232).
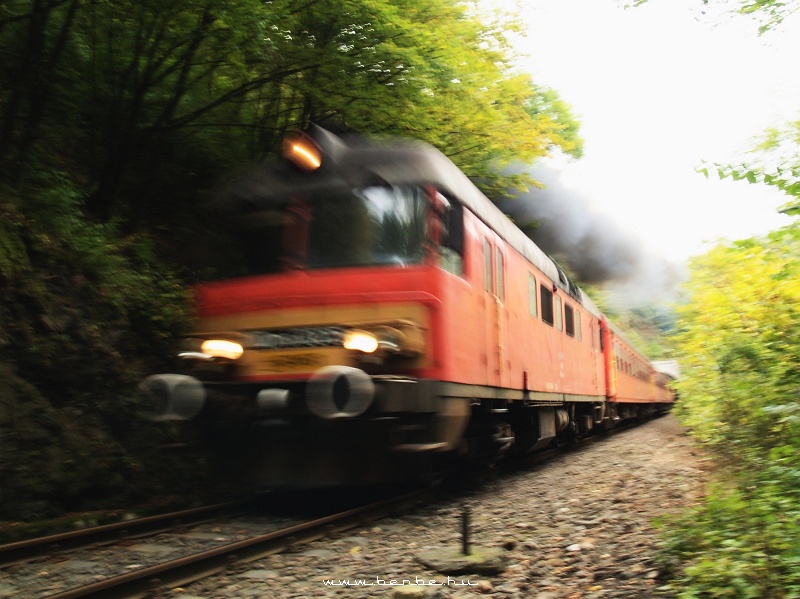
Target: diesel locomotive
(389,318)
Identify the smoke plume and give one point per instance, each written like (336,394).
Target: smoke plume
(593,247)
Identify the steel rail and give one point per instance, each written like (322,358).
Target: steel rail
(151,580)
(178,572)
(20,551)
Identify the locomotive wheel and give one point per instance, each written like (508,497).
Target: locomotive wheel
(568,438)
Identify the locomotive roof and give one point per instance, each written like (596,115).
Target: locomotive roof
(394,164)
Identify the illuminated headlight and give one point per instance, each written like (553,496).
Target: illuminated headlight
(220,348)
(302,151)
(363,341)
(378,339)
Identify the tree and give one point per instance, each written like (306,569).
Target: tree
(427,70)
(185,91)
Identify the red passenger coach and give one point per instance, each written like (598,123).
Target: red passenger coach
(388,317)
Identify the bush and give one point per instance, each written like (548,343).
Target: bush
(739,337)
(85,314)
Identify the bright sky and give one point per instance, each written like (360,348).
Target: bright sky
(657,91)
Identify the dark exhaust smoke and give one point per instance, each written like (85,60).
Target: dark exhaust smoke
(591,245)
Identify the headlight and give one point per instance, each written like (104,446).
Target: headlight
(302,151)
(221,348)
(360,340)
(404,339)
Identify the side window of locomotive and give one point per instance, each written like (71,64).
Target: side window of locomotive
(569,320)
(532,295)
(501,288)
(487,265)
(558,315)
(578,334)
(451,250)
(547,304)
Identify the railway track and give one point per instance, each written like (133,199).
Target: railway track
(147,581)
(21,551)
(151,580)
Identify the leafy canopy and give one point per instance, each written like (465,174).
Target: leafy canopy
(184,91)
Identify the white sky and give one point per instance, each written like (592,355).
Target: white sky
(658,91)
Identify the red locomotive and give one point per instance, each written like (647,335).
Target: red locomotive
(391,317)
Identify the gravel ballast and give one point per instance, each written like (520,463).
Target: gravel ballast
(579,526)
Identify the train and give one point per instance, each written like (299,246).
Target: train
(385,319)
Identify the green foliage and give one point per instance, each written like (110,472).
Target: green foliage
(547,103)
(84,317)
(738,337)
(775,162)
(742,542)
(13,254)
(769,14)
(145,104)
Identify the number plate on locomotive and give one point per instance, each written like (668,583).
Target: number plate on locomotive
(291,362)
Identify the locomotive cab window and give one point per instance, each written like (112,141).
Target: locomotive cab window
(374,225)
(451,242)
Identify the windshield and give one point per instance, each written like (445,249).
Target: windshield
(377,225)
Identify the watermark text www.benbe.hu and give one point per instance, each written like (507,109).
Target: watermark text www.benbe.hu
(396,582)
